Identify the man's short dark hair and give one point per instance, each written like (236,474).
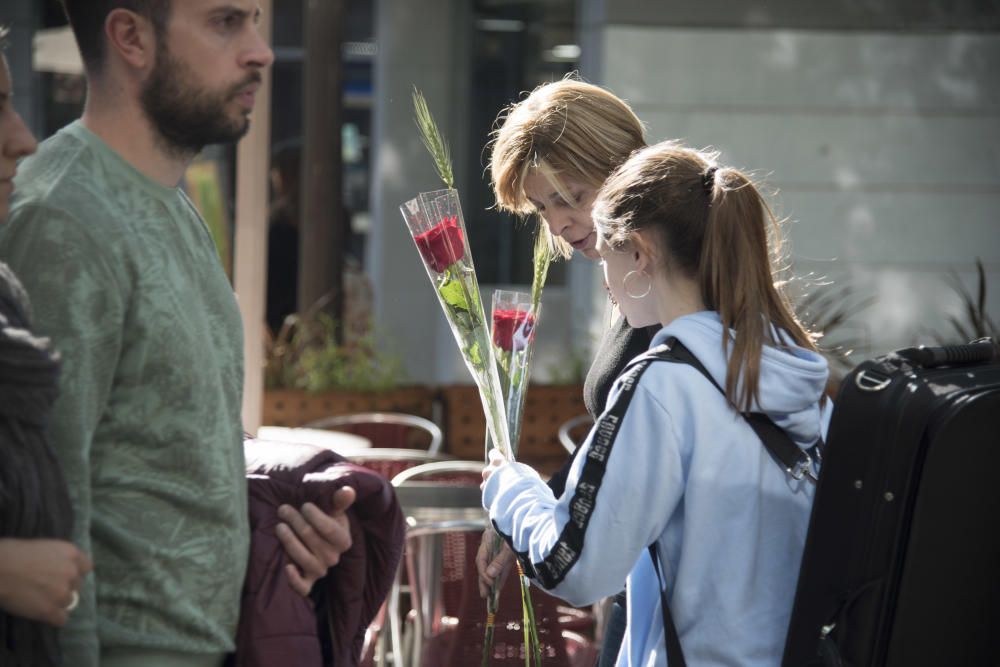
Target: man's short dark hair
(87,18)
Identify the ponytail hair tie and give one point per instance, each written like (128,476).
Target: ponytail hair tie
(708,179)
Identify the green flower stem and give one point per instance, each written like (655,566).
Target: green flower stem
(525,603)
(532,625)
(492,603)
(512,370)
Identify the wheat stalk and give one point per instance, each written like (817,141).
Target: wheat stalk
(541,259)
(432,139)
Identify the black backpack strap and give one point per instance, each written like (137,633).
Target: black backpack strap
(795,461)
(675,655)
(633,371)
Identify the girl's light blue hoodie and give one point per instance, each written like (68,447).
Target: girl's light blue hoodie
(687,472)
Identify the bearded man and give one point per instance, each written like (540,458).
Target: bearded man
(125,280)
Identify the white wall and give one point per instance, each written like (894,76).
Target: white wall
(884,148)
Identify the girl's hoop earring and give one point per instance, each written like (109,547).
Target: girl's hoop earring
(632,275)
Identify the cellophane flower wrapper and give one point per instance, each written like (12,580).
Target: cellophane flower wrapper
(513,334)
(437,226)
(513,318)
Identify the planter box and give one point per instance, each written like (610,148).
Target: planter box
(293,407)
(546,408)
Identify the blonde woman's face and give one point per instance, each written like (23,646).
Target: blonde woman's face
(569,220)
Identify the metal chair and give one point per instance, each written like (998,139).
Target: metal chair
(387,429)
(450,624)
(572,433)
(469,472)
(433,522)
(448,614)
(390,461)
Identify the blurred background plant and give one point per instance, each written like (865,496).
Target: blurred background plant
(827,309)
(305,354)
(570,370)
(974,322)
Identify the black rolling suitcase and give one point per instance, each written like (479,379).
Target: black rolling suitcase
(902,560)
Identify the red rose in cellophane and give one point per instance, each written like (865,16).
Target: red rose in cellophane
(442,245)
(512,329)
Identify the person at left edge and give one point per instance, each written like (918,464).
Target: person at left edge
(40,569)
(125,280)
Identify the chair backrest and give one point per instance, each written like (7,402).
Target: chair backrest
(457,472)
(574,430)
(389,462)
(387,429)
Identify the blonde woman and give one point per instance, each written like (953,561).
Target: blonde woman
(672,466)
(551,153)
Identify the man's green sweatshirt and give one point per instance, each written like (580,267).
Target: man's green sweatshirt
(124,278)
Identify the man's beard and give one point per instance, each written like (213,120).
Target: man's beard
(186,117)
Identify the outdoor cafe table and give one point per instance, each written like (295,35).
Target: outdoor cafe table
(438,501)
(338,441)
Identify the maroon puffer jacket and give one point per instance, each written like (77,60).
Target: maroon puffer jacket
(277,625)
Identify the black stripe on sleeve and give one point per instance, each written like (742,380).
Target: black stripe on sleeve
(567,550)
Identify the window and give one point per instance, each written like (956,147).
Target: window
(517,45)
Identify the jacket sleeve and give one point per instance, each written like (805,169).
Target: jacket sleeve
(78,303)
(621,492)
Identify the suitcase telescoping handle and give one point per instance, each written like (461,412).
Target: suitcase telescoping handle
(976,352)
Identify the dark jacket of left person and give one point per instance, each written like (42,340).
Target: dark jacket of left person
(277,625)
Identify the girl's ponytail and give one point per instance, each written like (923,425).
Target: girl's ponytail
(742,240)
(717,228)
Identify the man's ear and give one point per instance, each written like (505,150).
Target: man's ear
(131,37)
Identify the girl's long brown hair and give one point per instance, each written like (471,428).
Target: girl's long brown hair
(716,228)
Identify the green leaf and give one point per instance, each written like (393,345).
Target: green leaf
(475,356)
(503,372)
(453,294)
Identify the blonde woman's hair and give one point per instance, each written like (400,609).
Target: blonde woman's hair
(712,224)
(564,129)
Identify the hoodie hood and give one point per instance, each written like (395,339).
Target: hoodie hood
(792,379)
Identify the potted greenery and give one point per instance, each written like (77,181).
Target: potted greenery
(310,374)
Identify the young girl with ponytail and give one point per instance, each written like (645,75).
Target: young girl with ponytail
(673,471)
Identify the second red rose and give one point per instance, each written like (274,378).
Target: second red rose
(512,328)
